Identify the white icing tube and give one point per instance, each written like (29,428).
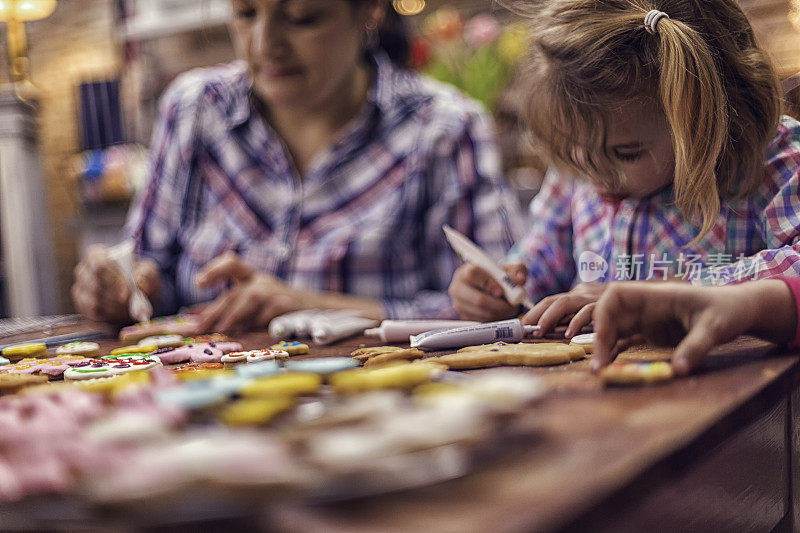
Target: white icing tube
(286,326)
(331,329)
(505,330)
(301,323)
(400,330)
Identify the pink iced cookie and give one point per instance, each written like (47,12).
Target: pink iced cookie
(201,353)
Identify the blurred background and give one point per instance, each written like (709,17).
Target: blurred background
(98,68)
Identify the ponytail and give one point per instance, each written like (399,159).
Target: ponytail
(695,105)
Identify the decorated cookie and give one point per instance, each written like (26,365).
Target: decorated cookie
(519,354)
(191,397)
(18,351)
(110,365)
(178,325)
(233,358)
(638,373)
(198,371)
(283,385)
(255,356)
(291,347)
(135,348)
(163,341)
(254,370)
(585,341)
(211,337)
(226,346)
(381,355)
(403,376)
(255,412)
(321,365)
(86,349)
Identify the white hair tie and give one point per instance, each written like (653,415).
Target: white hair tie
(651,20)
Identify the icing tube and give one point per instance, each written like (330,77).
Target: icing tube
(299,323)
(505,330)
(400,330)
(327,330)
(285,326)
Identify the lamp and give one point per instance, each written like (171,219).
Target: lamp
(15,13)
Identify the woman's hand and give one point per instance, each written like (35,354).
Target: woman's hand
(695,319)
(254,300)
(100,291)
(476,296)
(552,310)
(257,297)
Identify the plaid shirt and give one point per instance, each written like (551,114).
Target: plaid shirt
(366,219)
(578,237)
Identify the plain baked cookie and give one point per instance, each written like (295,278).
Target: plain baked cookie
(519,354)
(380,355)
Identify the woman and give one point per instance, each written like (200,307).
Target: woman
(318,175)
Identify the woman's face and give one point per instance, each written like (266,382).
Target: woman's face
(300,52)
(640,144)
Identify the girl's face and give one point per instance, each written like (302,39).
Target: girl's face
(300,52)
(640,143)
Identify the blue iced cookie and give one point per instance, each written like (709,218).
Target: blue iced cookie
(261,368)
(321,365)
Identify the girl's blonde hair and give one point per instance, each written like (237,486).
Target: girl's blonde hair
(718,90)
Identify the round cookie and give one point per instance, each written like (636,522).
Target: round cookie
(321,365)
(255,370)
(136,348)
(86,349)
(12,383)
(232,358)
(585,341)
(162,341)
(18,351)
(211,337)
(291,347)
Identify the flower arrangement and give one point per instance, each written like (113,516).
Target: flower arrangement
(479,56)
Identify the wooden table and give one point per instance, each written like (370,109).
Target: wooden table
(714,452)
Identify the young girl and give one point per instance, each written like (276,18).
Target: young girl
(661,120)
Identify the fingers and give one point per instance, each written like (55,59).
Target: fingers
(476,296)
(100,292)
(550,311)
(581,319)
(606,329)
(240,314)
(695,346)
(211,314)
(518,273)
(228,266)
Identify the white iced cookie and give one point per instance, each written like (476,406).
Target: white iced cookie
(163,341)
(585,341)
(254,356)
(87,349)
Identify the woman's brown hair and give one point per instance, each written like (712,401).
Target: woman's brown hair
(717,89)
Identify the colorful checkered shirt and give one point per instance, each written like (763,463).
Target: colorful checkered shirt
(367,217)
(578,237)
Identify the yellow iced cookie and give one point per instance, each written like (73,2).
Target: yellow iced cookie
(254,412)
(291,347)
(136,348)
(402,376)
(290,384)
(37,349)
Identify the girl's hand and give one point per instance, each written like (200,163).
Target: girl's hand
(476,296)
(100,291)
(695,319)
(552,310)
(254,300)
